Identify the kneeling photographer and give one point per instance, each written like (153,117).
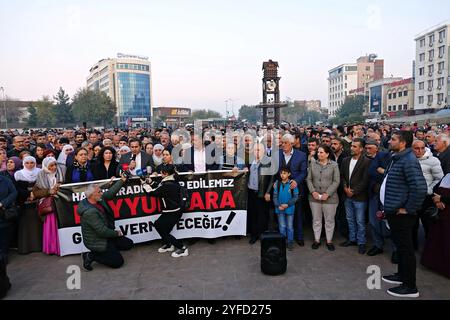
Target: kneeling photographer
(169,190)
(97,226)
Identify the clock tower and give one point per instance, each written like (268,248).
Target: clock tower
(271,93)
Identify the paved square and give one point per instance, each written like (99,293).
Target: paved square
(228,269)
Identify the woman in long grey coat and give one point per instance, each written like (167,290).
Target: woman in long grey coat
(323,181)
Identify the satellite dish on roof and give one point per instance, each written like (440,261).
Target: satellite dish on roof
(372,57)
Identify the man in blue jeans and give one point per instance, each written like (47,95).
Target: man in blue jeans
(355,179)
(297,162)
(402,193)
(378,228)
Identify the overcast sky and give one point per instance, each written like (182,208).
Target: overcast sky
(205,52)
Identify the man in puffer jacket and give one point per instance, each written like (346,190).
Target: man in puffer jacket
(97,226)
(402,193)
(432,172)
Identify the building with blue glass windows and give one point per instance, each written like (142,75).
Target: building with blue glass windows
(127,81)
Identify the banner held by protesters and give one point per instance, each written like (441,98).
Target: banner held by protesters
(218,208)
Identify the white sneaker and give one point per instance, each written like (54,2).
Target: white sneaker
(166,248)
(180,253)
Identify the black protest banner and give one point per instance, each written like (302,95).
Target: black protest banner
(218,202)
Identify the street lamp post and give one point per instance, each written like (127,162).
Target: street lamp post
(4,106)
(232,104)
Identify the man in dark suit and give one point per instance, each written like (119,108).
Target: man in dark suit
(198,158)
(298,163)
(136,159)
(165,141)
(339,152)
(337,145)
(442,146)
(18,143)
(355,180)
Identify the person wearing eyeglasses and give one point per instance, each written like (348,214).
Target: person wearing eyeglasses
(18,143)
(298,163)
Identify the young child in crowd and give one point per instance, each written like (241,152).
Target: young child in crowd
(284,199)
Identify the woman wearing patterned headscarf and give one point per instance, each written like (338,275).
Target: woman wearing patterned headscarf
(47,184)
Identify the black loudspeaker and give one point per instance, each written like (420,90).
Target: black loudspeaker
(273,253)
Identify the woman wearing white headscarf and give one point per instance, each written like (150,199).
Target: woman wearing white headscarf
(157,154)
(62,158)
(29,172)
(123,150)
(47,185)
(30,226)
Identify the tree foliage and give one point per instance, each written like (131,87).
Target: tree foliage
(205,114)
(32,118)
(311,117)
(351,111)
(297,113)
(249,113)
(13,110)
(45,112)
(94,107)
(63,110)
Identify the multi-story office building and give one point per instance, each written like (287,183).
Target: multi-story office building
(432,68)
(127,81)
(369,69)
(341,80)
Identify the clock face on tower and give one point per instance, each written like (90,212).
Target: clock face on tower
(271,86)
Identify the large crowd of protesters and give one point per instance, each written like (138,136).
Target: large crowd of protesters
(384,180)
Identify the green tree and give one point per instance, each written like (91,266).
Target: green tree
(251,114)
(62,108)
(93,106)
(33,118)
(294,113)
(46,116)
(13,112)
(205,114)
(311,117)
(351,111)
